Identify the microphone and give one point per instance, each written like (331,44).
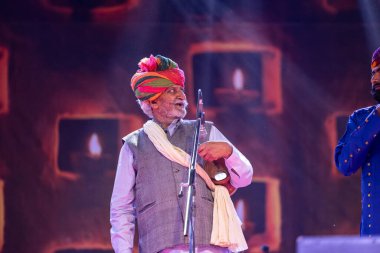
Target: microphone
(199,104)
(201,115)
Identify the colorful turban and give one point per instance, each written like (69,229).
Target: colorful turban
(375,58)
(155,75)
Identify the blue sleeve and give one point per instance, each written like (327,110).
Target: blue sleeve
(352,149)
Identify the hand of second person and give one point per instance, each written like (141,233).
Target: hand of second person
(213,150)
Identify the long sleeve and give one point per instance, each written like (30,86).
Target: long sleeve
(122,215)
(239,167)
(352,149)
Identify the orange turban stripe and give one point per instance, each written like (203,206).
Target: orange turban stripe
(155,75)
(375,58)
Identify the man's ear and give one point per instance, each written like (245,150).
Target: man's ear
(153,104)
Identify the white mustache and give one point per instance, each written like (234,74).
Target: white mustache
(184,102)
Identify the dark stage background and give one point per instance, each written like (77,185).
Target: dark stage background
(279,79)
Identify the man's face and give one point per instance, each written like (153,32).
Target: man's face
(375,83)
(170,105)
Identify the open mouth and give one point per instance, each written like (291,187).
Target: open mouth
(180,104)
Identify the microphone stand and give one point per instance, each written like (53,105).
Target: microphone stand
(189,218)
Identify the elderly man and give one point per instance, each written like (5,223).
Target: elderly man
(154,161)
(359,148)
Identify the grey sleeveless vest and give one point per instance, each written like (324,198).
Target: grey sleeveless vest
(160,211)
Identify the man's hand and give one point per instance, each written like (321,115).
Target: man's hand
(213,150)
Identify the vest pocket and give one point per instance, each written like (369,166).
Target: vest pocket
(211,200)
(146,207)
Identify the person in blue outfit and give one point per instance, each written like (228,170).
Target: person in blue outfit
(359,148)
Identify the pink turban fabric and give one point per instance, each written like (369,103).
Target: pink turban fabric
(154,76)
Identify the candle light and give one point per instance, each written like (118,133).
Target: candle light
(238,79)
(240,210)
(237,94)
(92,161)
(94,147)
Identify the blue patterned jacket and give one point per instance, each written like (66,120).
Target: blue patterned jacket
(359,148)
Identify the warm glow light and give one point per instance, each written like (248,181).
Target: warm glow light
(94,146)
(240,209)
(238,79)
